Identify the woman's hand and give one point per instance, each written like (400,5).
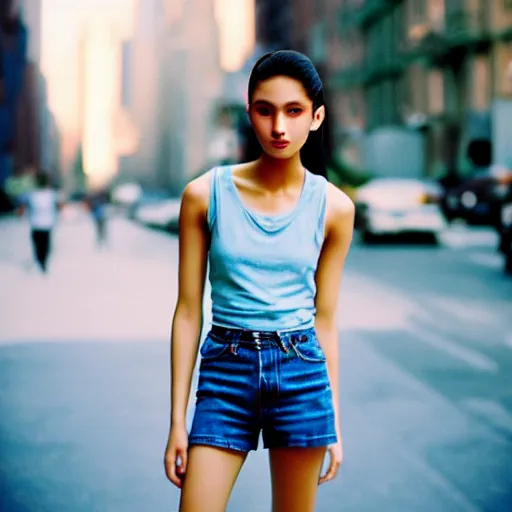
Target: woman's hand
(175,460)
(336,457)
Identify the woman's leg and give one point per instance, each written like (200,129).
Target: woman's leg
(45,248)
(40,241)
(34,239)
(211,474)
(295,474)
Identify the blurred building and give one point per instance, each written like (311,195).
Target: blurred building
(99,61)
(13,50)
(274,24)
(108,134)
(171,83)
(32,109)
(237,32)
(69,36)
(141,73)
(28,139)
(38,138)
(427,75)
(190,82)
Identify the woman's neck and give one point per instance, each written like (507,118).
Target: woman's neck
(275,174)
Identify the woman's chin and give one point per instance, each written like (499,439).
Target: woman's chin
(279,154)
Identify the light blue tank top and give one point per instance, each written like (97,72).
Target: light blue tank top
(262,267)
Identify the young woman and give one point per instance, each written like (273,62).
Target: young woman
(276,237)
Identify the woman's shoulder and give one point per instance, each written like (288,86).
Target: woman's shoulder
(339,204)
(197,191)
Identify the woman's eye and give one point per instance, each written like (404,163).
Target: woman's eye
(295,111)
(263,111)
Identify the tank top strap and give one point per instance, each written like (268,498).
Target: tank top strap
(218,187)
(212,203)
(317,201)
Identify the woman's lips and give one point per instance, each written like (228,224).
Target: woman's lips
(280,144)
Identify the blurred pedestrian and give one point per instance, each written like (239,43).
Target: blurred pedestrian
(42,206)
(275,234)
(97,204)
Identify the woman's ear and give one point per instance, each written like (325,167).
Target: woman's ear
(318,118)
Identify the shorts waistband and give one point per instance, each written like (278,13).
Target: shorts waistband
(243,335)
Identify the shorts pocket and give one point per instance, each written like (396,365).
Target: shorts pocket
(310,350)
(212,349)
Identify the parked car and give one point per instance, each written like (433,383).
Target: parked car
(392,206)
(126,194)
(476,200)
(505,224)
(506,235)
(162,214)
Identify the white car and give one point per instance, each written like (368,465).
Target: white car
(126,194)
(162,214)
(392,206)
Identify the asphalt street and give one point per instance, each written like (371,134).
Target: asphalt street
(426,376)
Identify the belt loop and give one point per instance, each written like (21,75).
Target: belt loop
(281,341)
(236,334)
(233,347)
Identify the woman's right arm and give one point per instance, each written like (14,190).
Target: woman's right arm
(187,321)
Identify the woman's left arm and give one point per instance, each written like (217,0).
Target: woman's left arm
(338,236)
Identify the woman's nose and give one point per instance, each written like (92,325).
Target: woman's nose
(278,128)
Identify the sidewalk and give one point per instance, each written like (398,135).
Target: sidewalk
(125,292)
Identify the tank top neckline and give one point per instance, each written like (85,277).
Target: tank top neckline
(265,216)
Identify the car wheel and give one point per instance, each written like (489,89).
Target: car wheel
(368,237)
(433,238)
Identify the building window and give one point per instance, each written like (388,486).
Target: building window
(436,13)
(436,92)
(418,10)
(353,105)
(481,73)
(417,84)
(503,70)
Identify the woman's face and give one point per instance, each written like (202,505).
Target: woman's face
(282,116)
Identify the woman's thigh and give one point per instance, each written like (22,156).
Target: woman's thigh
(211,474)
(295,474)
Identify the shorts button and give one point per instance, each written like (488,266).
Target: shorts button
(303,338)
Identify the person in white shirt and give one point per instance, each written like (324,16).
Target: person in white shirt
(42,206)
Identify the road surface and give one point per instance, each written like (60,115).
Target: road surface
(426,377)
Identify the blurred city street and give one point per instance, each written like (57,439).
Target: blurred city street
(426,376)
(111,107)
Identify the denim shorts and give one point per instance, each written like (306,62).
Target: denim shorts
(252,382)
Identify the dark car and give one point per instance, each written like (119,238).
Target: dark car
(505,225)
(476,201)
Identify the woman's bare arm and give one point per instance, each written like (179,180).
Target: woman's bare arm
(187,321)
(339,230)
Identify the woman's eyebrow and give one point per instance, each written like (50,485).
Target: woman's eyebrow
(287,104)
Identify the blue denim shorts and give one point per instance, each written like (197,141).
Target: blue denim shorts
(252,382)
